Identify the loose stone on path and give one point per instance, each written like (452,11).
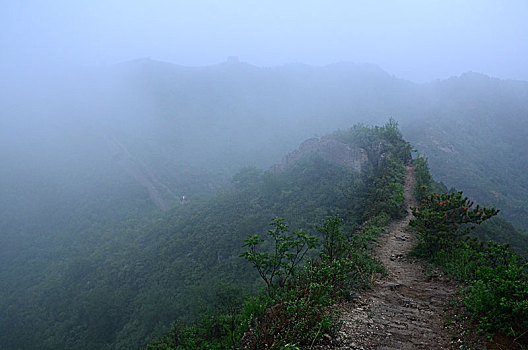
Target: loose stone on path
(405,309)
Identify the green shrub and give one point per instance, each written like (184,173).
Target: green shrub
(460,261)
(301,315)
(334,240)
(497,292)
(498,298)
(276,268)
(386,190)
(443,219)
(425,185)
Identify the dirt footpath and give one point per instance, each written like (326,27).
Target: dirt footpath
(406,308)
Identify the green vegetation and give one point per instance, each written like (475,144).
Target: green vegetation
(425,184)
(281,265)
(119,283)
(300,313)
(501,231)
(294,310)
(442,220)
(89,262)
(334,240)
(497,281)
(118,277)
(472,127)
(472,131)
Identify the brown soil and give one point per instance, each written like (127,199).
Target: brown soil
(409,308)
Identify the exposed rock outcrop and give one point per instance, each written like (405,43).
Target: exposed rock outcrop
(332,150)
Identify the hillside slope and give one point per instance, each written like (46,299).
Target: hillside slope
(119,286)
(472,127)
(90,166)
(405,309)
(473,132)
(194,127)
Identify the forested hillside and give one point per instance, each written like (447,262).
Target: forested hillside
(470,127)
(473,133)
(301,309)
(193,128)
(119,286)
(95,244)
(295,309)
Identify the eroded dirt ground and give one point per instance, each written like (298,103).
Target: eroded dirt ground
(408,308)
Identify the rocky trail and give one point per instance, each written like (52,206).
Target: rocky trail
(407,308)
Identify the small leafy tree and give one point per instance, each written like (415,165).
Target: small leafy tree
(334,241)
(443,219)
(289,248)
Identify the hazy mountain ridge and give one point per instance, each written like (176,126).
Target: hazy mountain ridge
(67,187)
(470,120)
(212,120)
(473,138)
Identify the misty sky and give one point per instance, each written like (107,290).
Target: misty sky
(415,40)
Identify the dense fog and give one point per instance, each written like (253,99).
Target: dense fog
(99,144)
(414,40)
